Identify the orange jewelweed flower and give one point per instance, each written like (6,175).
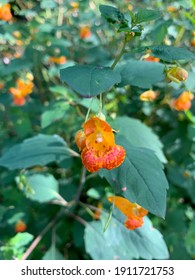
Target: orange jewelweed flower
(74,5)
(151,58)
(130,7)
(176,74)
(5,13)
(17,34)
(183,102)
(133,211)
(171,9)
(1,85)
(58,60)
(96,141)
(148,95)
(20,226)
(192,43)
(97,213)
(22,89)
(84,32)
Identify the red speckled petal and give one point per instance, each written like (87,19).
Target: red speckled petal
(19,101)
(133,222)
(114,157)
(90,160)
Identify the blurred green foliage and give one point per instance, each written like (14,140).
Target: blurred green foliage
(42,179)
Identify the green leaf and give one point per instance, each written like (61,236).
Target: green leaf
(14,66)
(159,31)
(88,80)
(144,15)
(23,126)
(38,150)
(169,53)
(139,135)
(44,187)
(142,74)
(4,1)
(140,178)
(48,4)
(15,218)
(2,212)
(93,193)
(191,132)
(61,90)
(93,104)
(53,254)
(20,240)
(114,16)
(54,113)
(117,242)
(183,178)
(190,239)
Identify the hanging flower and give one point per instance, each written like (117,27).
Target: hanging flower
(22,89)
(151,58)
(74,5)
(132,211)
(84,32)
(148,95)
(98,211)
(171,9)
(5,13)
(177,75)
(20,226)
(1,85)
(192,43)
(58,60)
(183,102)
(96,141)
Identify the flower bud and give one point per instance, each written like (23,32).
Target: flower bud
(177,75)
(148,95)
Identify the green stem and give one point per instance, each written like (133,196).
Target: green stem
(81,184)
(89,109)
(180,35)
(60,18)
(43,232)
(190,116)
(120,54)
(87,209)
(101,104)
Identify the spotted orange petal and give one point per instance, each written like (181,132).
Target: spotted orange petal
(114,157)
(90,160)
(19,101)
(133,222)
